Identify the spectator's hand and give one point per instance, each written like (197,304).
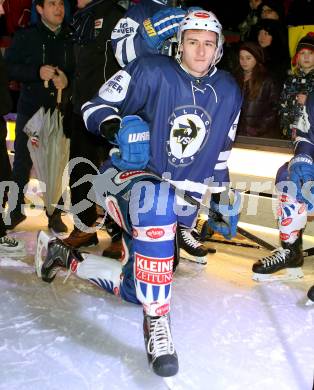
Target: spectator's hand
(134,144)
(47,72)
(161,26)
(60,79)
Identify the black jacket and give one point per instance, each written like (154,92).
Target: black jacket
(95,61)
(5,101)
(31,48)
(259,117)
(5,106)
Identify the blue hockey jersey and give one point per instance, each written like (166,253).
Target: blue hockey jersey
(126,41)
(192,121)
(304,143)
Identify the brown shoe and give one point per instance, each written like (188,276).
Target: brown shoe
(77,239)
(114,251)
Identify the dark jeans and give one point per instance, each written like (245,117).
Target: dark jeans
(95,149)
(5,167)
(22,164)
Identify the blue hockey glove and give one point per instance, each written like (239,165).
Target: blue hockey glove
(161,26)
(224,218)
(134,146)
(301,171)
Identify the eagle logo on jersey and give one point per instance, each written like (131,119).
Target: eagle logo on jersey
(190,128)
(186,133)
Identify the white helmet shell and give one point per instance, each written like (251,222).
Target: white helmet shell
(203,20)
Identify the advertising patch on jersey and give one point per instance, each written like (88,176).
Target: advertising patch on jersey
(126,26)
(157,271)
(190,128)
(115,89)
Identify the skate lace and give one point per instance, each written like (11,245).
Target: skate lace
(9,241)
(278,256)
(188,238)
(160,342)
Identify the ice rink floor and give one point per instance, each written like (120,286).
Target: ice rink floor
(230,332)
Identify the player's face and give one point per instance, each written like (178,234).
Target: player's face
(198,49)
(247,61)
(306,60)
(264,38)
(52,12)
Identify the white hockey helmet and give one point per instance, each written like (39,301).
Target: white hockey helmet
(202,20)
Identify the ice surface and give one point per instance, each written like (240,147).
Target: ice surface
(230,332)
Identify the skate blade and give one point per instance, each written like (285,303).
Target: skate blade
(41,251)
(290,274)
(309,302)
(193,259)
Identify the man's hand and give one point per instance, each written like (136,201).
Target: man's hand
(59,79)
(224,218)
(47,72)
(134,144)
(161,26)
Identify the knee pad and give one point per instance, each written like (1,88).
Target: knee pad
(292,217)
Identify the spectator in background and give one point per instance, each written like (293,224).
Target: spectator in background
(275,46)
(296,88)
(8,245)
(95,63)
(259,116)
(250,21)
(273,9)
(67,12)
(38,54)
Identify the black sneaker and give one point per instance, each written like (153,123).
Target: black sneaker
(56,224)
(59,255)
(11,247)
(159,346)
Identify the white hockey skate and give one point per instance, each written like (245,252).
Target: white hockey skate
(283,264)
(10,247)
(43,239)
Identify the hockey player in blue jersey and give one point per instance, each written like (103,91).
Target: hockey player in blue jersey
(177,119)
(294,185)
(150,27)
